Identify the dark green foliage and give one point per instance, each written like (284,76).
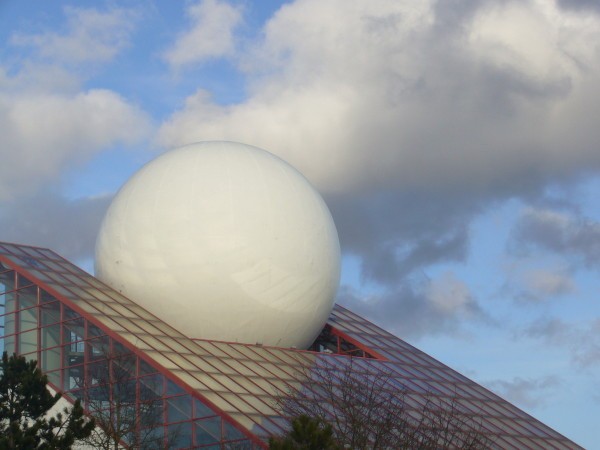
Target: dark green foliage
(24,402)
(307,433)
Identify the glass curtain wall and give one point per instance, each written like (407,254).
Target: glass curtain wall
(115,385)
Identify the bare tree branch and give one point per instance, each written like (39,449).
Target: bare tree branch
(369,408)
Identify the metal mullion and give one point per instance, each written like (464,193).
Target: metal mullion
(164,409)
(62,345)
(17,313)
(137,394)
(39,326)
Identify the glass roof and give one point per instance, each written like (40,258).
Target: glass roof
(244,381)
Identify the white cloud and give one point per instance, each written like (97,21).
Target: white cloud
(571,236)
(526,392)
(418,306)
(48,123)
(582,340)
(91,36)
(44,133)
(211,33)
(449,294)
(546,283)
(384,94)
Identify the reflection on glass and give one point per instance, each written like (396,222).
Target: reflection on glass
(28,342)
(50,359)
(7,281)
(231,433)
(208,431)
(201,410)
(179,408)
(28,319)
(22,281)
(180,435)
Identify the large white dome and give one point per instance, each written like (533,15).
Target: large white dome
(223,241)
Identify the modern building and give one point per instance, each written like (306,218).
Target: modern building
(209,394)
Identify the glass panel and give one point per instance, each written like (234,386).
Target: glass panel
(94,331)
(27,297)
(98,348)
(239,445)
(22,281)
(174,345)
(30,356)
(50,313)
(73,354)
(28,342)
(122,311)
(201,410)
(230,433)
(173,389)
(75,280)
(9,344)
(98,398)
(28,319)
(73,377)
(98,372)
(180,435)
(146,368)
(7,281)
(54,378)
(124,391)
(151,386)
(47,253)
(179,408)
(70,314)
(208,431)
(46,297)
(53,266)
(153,438)
(51,336)
(74,330)
(51,360)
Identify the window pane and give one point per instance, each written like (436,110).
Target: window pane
(54,378)
(45,297)
(7,281)
(22,281)
(201,410)
(173,389)
(208,431)
(50,336)
(180,435)
(146,368)
(49,313)
(73,378)
(28,319)
(151,386)
(98,348)
(9,344)
(230,433)
(51,360)
(179,408)
(98,372)
(28,342)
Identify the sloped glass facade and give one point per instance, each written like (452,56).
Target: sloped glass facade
(99,346)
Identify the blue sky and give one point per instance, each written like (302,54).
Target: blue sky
(455,141)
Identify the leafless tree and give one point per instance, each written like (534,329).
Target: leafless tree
(128,414)
(371,409)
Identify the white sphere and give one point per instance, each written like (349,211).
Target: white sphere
(223,241)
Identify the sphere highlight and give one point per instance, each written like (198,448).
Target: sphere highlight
(223,241)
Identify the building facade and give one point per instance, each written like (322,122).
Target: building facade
(141,374)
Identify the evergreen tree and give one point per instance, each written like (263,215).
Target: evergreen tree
(307,433)
(24,404)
